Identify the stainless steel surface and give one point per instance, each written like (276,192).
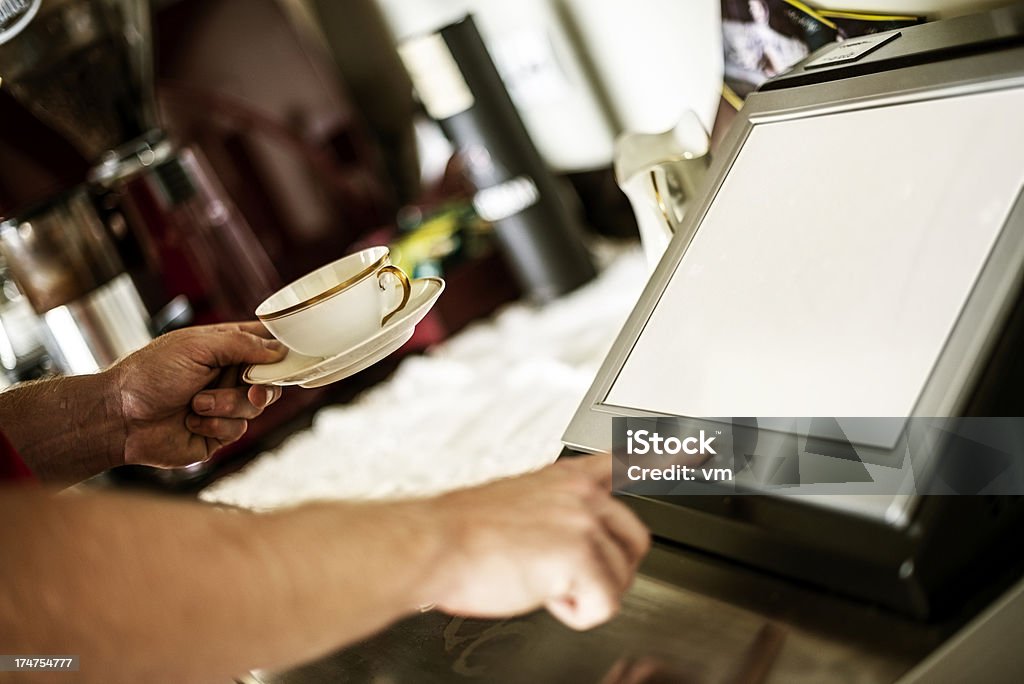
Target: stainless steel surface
(92,332)
(131,159)
(687,619)
(59,251)
(21,341)
(985,650)
(65,263)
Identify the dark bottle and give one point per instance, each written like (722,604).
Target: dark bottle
(460,88)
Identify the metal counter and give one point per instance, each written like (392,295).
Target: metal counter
(675,626)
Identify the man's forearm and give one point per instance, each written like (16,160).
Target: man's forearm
(164,591)
(66,429)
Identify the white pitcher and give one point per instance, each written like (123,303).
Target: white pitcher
(661,174)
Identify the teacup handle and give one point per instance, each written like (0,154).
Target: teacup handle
(406,289)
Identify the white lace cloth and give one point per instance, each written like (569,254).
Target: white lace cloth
(492,401)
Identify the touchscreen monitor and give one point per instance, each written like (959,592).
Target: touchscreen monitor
(832,264)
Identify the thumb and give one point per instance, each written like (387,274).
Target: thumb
(234,347)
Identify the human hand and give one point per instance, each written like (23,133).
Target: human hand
(180,396)
(555,538)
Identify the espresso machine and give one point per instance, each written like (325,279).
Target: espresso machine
(148,240)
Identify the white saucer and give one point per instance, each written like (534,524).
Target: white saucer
(345,371)
(310,371)
(297,369)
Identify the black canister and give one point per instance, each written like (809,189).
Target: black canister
(461,89)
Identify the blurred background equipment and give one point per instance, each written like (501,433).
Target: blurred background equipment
(80,68)
(251,84)
(67,267)
(537,230)
(581,73)
(540,66)
(195,242)
(83,70)
(22,355)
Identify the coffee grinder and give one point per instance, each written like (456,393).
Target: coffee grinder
(143,244)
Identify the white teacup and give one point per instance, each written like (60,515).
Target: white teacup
(338,305)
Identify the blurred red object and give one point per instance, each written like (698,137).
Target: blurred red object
(272,116)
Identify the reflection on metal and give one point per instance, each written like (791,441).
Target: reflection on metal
(757,663)
(664,633)
(59,251)
(91,333)
(71,349)
(8,359)
(64,261)
(22,355)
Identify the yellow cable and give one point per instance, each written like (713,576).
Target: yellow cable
(836,14)
(811,13)
(730,96)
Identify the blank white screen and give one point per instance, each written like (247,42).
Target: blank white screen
(828,272)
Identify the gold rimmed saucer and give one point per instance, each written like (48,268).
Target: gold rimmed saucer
(309,371)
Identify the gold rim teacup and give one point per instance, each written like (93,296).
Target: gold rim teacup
(337,305)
